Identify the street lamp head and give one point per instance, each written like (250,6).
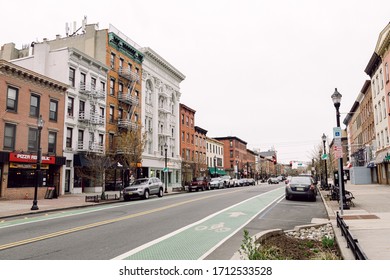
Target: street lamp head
(165,146)
(336,97)
(40,122)
(323,137)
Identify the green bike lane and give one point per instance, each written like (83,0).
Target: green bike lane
(199,239)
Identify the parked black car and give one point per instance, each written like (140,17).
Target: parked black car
(301,186)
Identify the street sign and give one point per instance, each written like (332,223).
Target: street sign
(165,169)
(337,132)
(324,157)
(337,142)
(338,155)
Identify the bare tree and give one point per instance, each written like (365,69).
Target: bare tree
(94,169)
(130,145)
(200,164)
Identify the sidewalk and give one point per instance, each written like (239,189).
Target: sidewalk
(13,208)
(368,220)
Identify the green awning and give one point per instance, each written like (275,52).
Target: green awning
(219,171)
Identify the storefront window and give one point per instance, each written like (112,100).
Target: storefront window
(22,178)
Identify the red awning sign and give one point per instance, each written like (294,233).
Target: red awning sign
(16,157)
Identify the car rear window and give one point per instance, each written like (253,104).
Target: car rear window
(300,180)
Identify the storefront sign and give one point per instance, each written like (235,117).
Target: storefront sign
(28,158)
(27,165)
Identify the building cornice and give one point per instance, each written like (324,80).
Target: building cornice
(121,45)
(187,108)
(373,64)
(88,59)
(383,41)
(151,54)
(351,113)
(365,87)
(31,75)
(200,130)
(230,138)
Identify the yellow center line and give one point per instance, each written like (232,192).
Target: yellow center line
(88,226)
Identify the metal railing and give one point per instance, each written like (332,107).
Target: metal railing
(352,243)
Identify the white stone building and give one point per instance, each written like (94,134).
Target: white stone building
(215,156)
(84,127)
(160,114)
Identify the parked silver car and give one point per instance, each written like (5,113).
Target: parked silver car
(216,183)
(227,181)
(144,188)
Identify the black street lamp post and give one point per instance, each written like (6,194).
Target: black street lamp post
(237,168)
(38,176)
(336,97)
(215,166)
(326,170)
(166,168)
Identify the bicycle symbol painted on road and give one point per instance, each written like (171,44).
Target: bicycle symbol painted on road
(220,227)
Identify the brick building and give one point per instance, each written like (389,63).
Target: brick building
(187,145)
(200,152)
(235,156)
(24,96)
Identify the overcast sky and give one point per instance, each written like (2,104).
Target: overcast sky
(262,71)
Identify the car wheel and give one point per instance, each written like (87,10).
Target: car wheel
(126,198)
(160,192)
(146,194)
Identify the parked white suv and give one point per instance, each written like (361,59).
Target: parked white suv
(144,188)
(227,181)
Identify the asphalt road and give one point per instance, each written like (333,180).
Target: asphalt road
(201,225)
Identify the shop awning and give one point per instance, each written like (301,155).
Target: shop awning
(219,171)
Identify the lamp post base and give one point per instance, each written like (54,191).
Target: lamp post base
(35,205)
(345,207)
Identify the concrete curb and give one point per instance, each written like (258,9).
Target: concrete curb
(259,236)
(345,252)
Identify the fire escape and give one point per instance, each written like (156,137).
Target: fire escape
(91,118)
(129,99)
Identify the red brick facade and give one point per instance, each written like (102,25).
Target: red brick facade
(187,142)
(235,154)
(19,117)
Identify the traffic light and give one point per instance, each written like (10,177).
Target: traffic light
(274,159)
